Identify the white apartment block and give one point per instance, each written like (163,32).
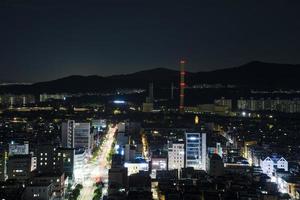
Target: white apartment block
(176,156)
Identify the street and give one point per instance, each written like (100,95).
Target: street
(98,169)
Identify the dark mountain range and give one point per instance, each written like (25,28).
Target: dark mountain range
(255,74)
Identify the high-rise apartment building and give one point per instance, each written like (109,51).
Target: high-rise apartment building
(67,133)
(176,155)
(82,136)
(195,150)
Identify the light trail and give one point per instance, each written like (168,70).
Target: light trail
(98,170)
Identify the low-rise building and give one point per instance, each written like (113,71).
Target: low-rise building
(42,191)
(19,167)
(270,163)
(136,166)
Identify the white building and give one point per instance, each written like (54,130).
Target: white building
(79,163)
(195,150)
(135,167)
(176,156)
(67,133)
(270,164)
(18,149)
(158,164)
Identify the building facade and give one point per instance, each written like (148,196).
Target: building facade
(195,150)
(67,133)
(176,155)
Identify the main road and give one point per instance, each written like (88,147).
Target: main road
(97,169)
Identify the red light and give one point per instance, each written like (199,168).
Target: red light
(182,62)
(182,73)
(182,84)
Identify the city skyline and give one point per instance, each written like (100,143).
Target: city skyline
(149,100)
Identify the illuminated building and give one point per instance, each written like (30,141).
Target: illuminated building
(224,102)
(67,133)
(18,149)
(46,159)
(99,124)
(129,154)
(122,140)
(289,185)
(136,166)
(176,155)
(65,157)
(158,164)
(55,159)
(195,150)
(270,163)
(11,100)
(82,136)
(281,105)
(79,162)
(50,97)
(207,108)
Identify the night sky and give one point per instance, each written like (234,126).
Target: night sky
(43,40)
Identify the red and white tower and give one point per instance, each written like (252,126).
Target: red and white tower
(182,85)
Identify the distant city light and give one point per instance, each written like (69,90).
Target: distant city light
(244,114)
(119,101)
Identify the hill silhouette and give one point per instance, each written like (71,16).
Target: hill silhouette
(251,75)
